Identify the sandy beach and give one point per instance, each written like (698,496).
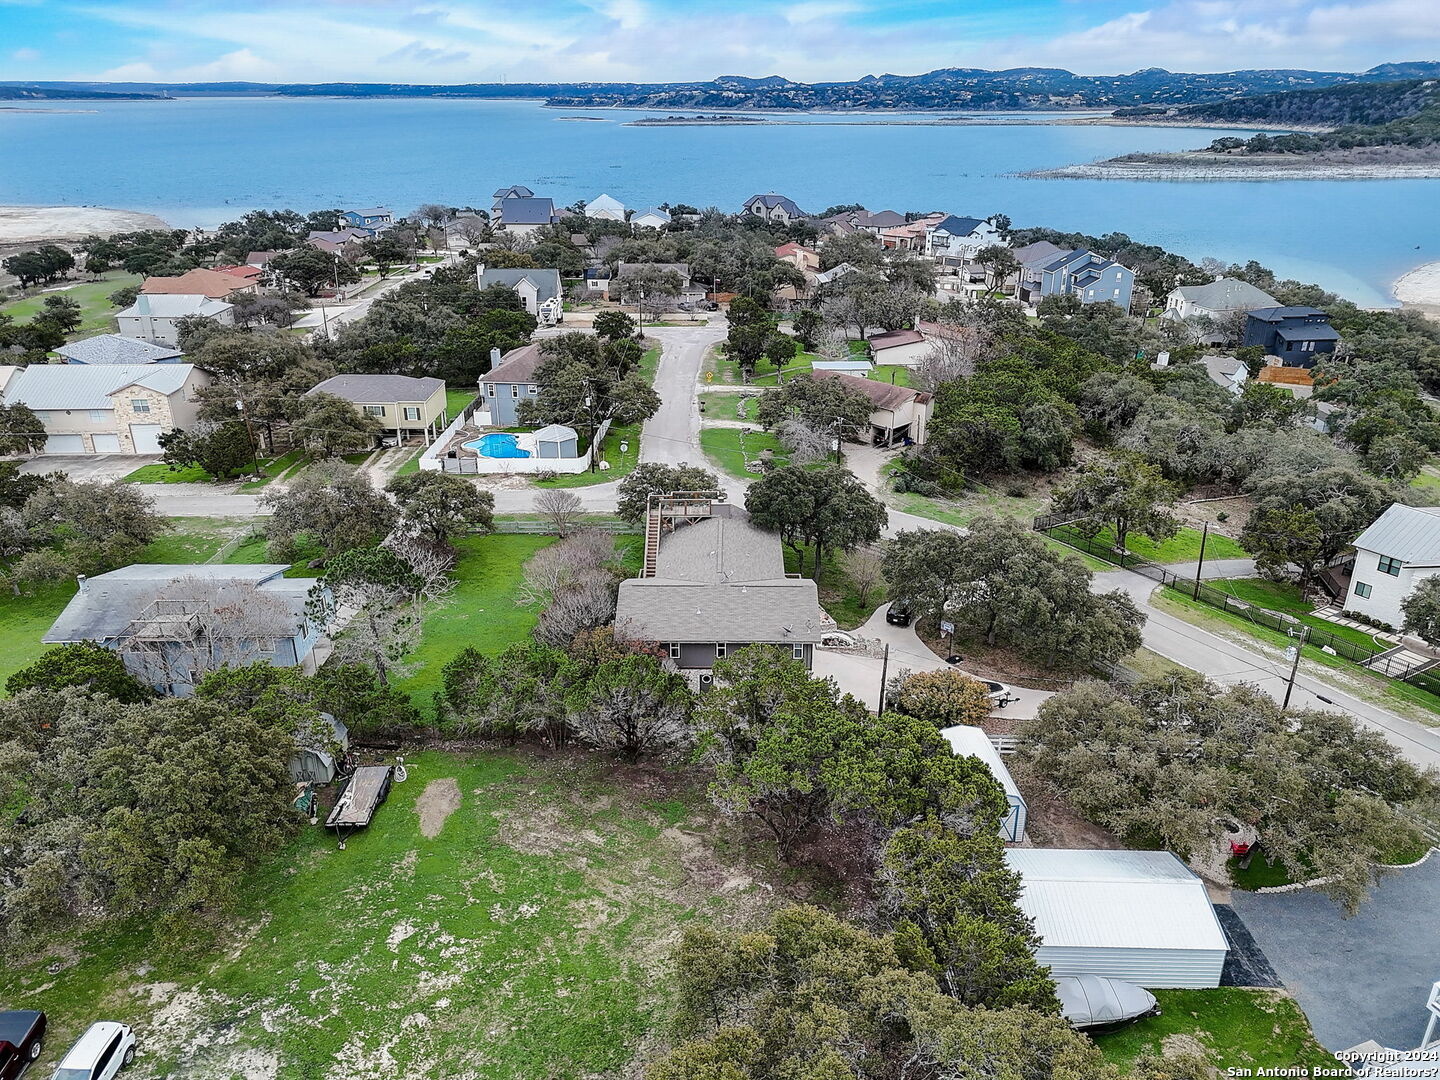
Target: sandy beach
(33,224)
(1186,168)
(1420,288)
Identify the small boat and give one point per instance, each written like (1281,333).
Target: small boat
(1090,1002)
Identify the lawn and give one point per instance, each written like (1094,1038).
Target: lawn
(718,406)
(160,473)
(96,312)
(1428,480)
(1184,546)
(723,446)
(506,916)
(1284,597)
(838,595)
(286,466)
(481,612)
(621,463)
(457,398)
(892,373)
(718,369)
(1240,1029)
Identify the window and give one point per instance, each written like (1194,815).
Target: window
(720,651)
(103,1061)
(100,416)
(1389,566)
(1307,346)
(1117,292)
(674,650)
(514,390)
(490,389)
(412,412)
(1289,346)
(1362,590)
(532,389)
(797,652)
(140,405)
(374,410)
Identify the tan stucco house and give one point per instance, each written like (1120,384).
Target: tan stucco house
(109,408)
(411,408)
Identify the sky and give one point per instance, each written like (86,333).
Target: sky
(452,41)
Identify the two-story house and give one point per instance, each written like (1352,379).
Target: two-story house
(1087,275)
(157,318)
(1215,301)
(214,284)
(804,259)
(539,290)
(1297,335)
(514,191)
(1398,551)
(117,349)
(605,208)
(960,238)
(852,221)
(772,207)
(409,407)
(523,216)
(346,242)
(713,583)
(373,220)
(510,382)
(107,408)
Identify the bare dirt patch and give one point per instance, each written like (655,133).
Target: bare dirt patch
(438,801)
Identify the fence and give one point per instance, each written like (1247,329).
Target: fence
(1288,625)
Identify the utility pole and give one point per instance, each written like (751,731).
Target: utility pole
(884,674)
(1199,565)
(1294,666)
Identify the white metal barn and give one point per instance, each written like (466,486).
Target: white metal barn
(1141,916)
(968,741)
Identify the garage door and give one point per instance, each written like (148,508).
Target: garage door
(65,444)
(106,444)
(146,438)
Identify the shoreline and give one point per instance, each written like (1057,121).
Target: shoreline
(20,225)
(1419,288)
(1185,167)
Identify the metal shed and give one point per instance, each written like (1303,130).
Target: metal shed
(968,741)
(1141,916)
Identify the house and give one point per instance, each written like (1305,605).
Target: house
(260,259)
(373,220)
(208,283)
(960,237)
(1032,259)
(343,242)
(107,408)
(903,347)
(515,191)
(524,215)
(117,349)
(1141,916)
(170,622)
(650,218)
(410,407)
(510,382)
(1092,278)
(1222,300)
(1398,551)
(898,413)
(157,317)
(539,290)
(967,741)
(249,275)
(605,208)
(597,282)
(689,293)
(835,273)
(852,221)
(713,583)
(1297,335)
(1226,372)
(772,207)
(798,256)
(911,235)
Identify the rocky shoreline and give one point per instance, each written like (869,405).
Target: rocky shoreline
(1200,166)
(40,224)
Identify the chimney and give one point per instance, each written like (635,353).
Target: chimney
(494,356)
(80,580)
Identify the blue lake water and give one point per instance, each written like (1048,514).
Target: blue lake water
(200,161)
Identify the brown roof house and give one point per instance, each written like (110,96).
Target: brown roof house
(212,284)
(898,413)
(713,583)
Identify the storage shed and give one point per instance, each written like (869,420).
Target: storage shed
(1141,916)
(968,741)
(556,441)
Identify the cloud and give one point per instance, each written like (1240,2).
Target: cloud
(812,10)
(25,55)
(426,54)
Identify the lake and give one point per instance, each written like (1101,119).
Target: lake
(200,161)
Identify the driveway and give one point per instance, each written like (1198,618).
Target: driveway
(1360,978)
(859,673)
(88,466)
(672,435)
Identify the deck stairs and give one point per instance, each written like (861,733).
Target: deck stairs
(667,511)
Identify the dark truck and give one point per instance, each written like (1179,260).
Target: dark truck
(22,1035)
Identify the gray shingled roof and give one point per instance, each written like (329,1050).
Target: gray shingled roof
(771,200)
(375,389)
(720,579)
(1227,294)
(1037,254)
(959,226)
(516,211)
(1278,314)
(81,386)
(116,349)
(546,282)
(107,603)
(516,366)
(1408,533)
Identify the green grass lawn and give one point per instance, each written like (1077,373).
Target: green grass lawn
(725,406)
(285,466)
(1184,546)
(412,463)
(519,930)
(160,473)
(622,463)
(96,312)
(722,445)
(725,371)
(457,398)
(1428,480)
(1238,1028)
(481,612)
(892,373)
(838,594)
(1283,597)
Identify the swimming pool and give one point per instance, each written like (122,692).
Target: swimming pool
(497,444)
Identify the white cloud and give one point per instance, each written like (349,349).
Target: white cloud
(812,10)
(25,55)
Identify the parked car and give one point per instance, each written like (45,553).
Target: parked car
(100,1053)
(1091,1002)
(22,1036)
(837,639)
(897,614)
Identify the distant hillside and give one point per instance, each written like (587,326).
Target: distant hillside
(947,88)
(33,93)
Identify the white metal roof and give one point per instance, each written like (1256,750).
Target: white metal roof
(90,386)
(1115,899)
(1408,533)
(966,741)
(555,433)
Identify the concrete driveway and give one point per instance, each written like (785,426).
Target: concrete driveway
(859,672)
(1361,978)
(88,466)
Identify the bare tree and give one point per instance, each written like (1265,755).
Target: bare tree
(833,343)
(473,230)
(575,580)
(955,353)
(585,606)
(866,570)
(806,444)
(561,508)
